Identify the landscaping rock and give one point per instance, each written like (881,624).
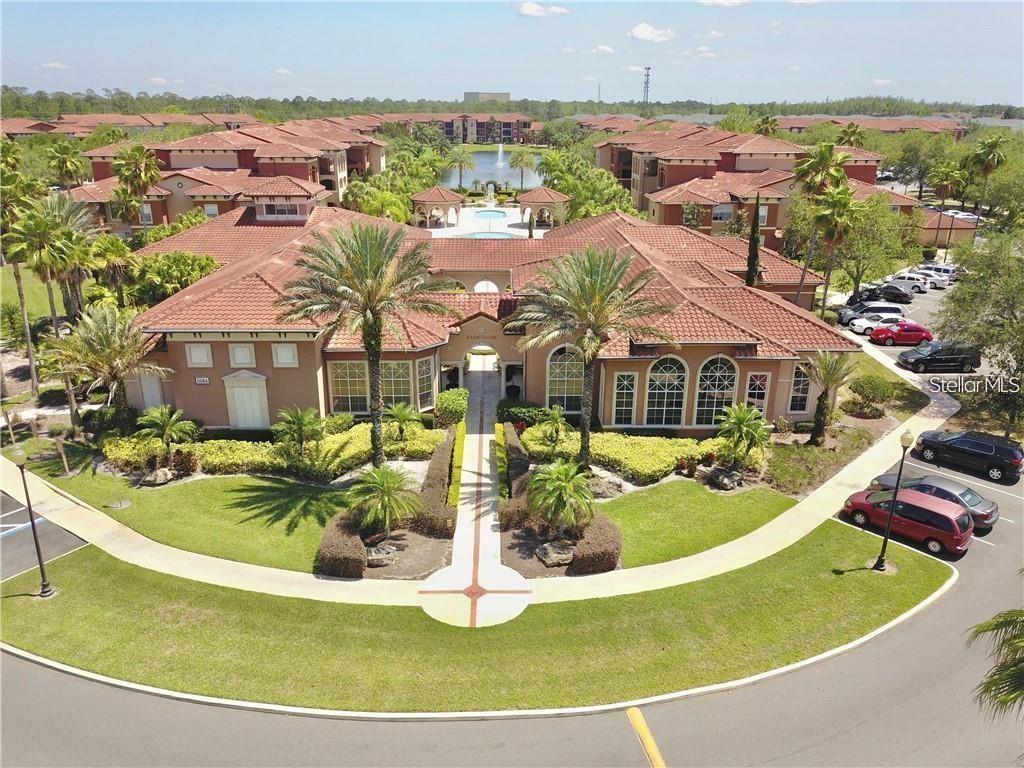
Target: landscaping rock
(605,487)
(726,479)
(160,476)
(555,553)
(380,555)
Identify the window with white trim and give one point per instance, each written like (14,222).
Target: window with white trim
(241,355)
(716,384)
(281,209)
(286,355)
(425,381)
(395,382)
(625,398)
(721,212)
(211,210)
(198,356)
(565,379)
(666,392)
(801,392)
(146,213)
(757,390)
(762,215)
(348,386)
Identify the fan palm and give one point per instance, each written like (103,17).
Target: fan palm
(116,261)
(19,251)
(137,169)
(767,125)
(829,371)
(402,415)
(298,427)
(560,493)
(381,496)
(835,216)
(587,297)
(988,157)
(362,281)
(106,347)
(66,163)
(124,205)
(745,428)
(385,205)
(523,159)
(947,179)
(11,154)
(168,425)
(461,158)
(1002,690)
(852,135)
(552,164)
(80,224)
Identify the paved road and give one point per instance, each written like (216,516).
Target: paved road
(16,547)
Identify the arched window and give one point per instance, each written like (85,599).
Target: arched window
(485,286)
(716,386)
(565,379)
(666,392)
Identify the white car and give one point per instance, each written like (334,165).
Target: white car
(865,325)
(934,279)
(949,271)
(915,283)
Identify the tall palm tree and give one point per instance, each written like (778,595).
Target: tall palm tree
(124,205)
(745,428)
(551,164)
(988,157)
(18,252)
(947,179)
(168,425)
(137,169)
(385,205)
(766,125)
(852,135)
(821,169)
(78,221)
(560,493)
(835,216)
(362,281)
(523,159)
(588,296)
(461,158)
(1002,690)
(116,261)
(382,496)
(66,163)
(106,347)
(829,372)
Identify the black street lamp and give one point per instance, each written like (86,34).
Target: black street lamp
(906,440)
(45,590)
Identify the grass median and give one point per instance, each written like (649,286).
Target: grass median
(131,623)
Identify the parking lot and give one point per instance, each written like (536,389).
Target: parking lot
(16,544)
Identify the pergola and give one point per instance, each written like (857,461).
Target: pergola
(548,207)
(432,206)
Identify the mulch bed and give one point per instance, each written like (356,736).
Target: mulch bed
(418,557)
(518,548)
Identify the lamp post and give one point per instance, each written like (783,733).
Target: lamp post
(906,440)
(45,590)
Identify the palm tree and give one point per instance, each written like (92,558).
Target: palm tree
(835,215)
(382,496)
(851,135)
(947,179)
(106,347)
(745,428)
(821,169)
(560,493)
(78,221)
(137,169)
(168,425)
(1002,690)
(551,164)
(298,427)
(124,205)
(385,205)
(362,281)
(402,415)
(11,154)
(16,257)
(587,297)
(829,372)
(66,162)
(460,157)
(116,261)
(767,125)
(987,157)
(523,159)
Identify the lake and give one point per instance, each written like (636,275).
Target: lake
(490,166)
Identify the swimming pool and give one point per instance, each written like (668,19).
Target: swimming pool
(490,214)
(480,235)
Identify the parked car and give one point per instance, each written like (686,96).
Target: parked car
(949,271)
(984,512)
(915,283)
(885,293)
(940,525)
(886,175)
(934,280)
(861,308)
(868,323)
(999,458)
(940,356)
(902,332)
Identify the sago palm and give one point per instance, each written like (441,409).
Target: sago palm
(298,427)
(402,415)
(168,425)
(362,281)
(585,298)
(382,497)
(835,216)
(460,158)
(524,160)
(560,493)
(767,125)
(852,135)
(116,261)
(66,163)
(745,428)
(829,371)
(137,168)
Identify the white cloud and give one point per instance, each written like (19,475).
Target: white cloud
(649,34)
(881,81)
(713,34)
(774,25)
(568,49)
(602,49)
(589,78)
(157,81)
(633,68)
(804,2)
(282,72)
(794,68)
(700,52)
(536,9)
(54,65)
(724,3)
(177,82)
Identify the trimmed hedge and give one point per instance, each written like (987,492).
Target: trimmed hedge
(337,423)
(450,407)
(106,420)
(436,518)
(240,435)
(341,551)
(455,479)
(132,454)
(598,549)
(872,389)
(228,457)
(520,411)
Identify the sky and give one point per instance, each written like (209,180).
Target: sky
(708,50)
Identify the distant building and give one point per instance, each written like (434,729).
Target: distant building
(474,96)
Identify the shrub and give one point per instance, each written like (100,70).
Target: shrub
(928,253)
(873,390)
(450,407)
(96,398)
(598,549)
(132,454)
(184,462)
(803,427)
(436,518)
(518,462)
(519,411)
(337,423)
(341,551)
(783,426)
(455,480)
(240,435)
(427,420)
(102,421)
(513,512)
(224,457)
(61,429)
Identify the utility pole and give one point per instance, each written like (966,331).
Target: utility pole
(598,93)
(647,88)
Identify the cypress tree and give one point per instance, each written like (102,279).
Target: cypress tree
(753,253)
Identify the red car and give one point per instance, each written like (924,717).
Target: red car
(942,526)
(903,332)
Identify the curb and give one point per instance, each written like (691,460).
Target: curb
(512,714)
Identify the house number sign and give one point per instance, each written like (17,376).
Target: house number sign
(202,380)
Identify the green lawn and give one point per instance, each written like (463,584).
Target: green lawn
(128,622)
(681,518)
(801,468)
(35,291)
(909,399)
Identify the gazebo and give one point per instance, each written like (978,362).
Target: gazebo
(547,206)
(432,206)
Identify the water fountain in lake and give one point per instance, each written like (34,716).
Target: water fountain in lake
(501,157)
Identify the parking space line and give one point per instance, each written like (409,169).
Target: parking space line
(1008,520)
(12,512)
(22,527)
(982,541)
(643,733)
(83,545)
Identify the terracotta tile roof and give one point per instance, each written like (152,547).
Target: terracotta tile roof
(542,195)
(108,118)
(218,140)
(280,149)
(110,150)
(438,194)
(223,118)
(102,191)
(602,225)
(690,153)
(885,124)
(863,190)
(859,153)
(943,221)
(269,186)
(20,125)
(159,119)
(723,187)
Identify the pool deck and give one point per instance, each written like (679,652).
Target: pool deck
(470,224)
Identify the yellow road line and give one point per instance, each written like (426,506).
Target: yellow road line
(636,719)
